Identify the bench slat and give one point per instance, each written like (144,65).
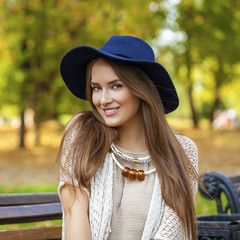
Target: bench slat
(43,233)
(235,178)
(30,213)
(28,198)
(236,181)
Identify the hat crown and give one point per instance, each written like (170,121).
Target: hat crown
(129,47)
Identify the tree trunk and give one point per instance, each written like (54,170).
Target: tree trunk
(36,129)
(192,107)
(219,79)
(190,89)
(37,139)
(216,102)
(22,131)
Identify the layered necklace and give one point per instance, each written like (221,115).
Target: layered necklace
(132,174)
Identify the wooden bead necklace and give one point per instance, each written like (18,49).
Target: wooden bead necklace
(132,173)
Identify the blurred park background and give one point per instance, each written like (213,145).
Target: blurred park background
(198,41)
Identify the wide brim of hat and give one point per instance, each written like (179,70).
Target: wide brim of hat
(74,65)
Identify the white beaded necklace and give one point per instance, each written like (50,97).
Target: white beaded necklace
(142,160)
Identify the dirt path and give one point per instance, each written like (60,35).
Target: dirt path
(27,167)
(26,176)
(218,151)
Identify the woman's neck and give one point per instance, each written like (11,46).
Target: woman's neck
(132,138)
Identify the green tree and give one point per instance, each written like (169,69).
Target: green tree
(209,40)
(220,23)
(37,33)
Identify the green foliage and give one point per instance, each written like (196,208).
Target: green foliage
(203,56)
(206,108)
(36,34)
(204,51)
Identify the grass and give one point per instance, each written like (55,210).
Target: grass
(204,206)
(30,225)
(40,187)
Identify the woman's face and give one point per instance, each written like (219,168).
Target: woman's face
(112,98)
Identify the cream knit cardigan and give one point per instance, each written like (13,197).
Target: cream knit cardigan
(162,222)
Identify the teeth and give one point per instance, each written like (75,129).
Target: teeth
(110,110)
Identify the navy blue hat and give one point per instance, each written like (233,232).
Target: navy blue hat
(125,48)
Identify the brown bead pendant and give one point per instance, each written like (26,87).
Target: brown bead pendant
(140,175)
(133,174)
(125,171)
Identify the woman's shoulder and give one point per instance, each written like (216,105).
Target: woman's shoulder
(190,148)
(73,126)
(186,141)
(75,118)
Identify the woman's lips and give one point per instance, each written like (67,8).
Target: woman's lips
(110,111)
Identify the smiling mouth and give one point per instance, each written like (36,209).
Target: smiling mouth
(110,111)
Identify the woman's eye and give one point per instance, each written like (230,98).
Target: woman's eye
(95,88)
(117,86)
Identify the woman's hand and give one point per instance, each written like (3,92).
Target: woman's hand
(75,206)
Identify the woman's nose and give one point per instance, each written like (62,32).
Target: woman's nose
(106,98)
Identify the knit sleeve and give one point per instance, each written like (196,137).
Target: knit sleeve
(171,227)
(191,150)
(67,159)
(66,170)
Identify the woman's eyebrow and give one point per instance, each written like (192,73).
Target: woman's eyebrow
(111,82)
(93,83)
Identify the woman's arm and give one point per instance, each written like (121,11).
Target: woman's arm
(75,206)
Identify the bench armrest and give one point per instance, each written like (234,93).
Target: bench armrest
(216,183)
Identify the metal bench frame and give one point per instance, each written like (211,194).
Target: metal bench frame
(215,184)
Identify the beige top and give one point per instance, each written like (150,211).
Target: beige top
(131,199)
(161,221)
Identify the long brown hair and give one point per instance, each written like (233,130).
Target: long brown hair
(93,138)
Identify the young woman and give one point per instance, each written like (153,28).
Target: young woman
(123,172)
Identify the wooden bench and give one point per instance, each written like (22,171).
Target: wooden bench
(217,184)
(35,207)
(30,207)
